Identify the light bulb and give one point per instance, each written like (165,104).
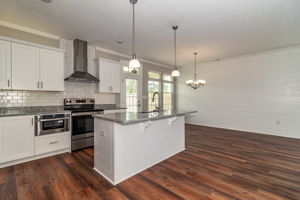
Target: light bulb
(201,82)
(175,73)
(134,63)
(189,81)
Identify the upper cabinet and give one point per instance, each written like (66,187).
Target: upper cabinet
(25,67)
(109,73)
(28,67)
(5,65)
(51,70)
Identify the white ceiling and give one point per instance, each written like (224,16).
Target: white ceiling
(214,28)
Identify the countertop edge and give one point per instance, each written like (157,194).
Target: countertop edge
(142,120)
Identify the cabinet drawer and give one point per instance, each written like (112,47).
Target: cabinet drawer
(49,143)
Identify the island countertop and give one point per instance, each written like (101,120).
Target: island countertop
(137,117)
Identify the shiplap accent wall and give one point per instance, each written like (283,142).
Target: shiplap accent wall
(257,93)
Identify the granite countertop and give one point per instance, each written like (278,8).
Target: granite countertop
(37,110)
(31,110)
(137,117)
(108,106)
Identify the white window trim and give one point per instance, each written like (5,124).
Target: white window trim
(124,76)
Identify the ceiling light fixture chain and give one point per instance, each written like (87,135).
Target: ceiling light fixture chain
(133,63)
(175,72)
(133,30)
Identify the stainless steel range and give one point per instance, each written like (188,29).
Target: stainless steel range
(82,121)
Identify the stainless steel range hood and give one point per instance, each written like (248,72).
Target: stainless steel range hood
(80,73)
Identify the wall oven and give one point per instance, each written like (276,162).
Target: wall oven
(52,123)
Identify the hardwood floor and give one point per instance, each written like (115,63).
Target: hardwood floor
(218,164)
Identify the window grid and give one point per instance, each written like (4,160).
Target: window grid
(131,95)
(153,86)
(168,96)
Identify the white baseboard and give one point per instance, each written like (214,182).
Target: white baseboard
(23,160)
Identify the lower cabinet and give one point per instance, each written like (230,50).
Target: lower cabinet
(16,138)
(53,142)
(19,144)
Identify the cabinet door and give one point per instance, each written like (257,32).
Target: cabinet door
(110,76)
(116,77)
(5,65)
(17,139)
(25,67)
(104,76)
(51,70)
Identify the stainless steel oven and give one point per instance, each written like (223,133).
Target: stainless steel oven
(51,123)
(83,111)
(83,129)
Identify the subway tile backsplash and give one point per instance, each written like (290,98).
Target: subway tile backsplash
(12,98)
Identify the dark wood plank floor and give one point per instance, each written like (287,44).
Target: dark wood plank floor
(218,164)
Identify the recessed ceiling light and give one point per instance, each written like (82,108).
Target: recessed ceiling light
(46,1)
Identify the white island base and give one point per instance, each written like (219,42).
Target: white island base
(123,150)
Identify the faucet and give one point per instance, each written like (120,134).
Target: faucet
(157,107)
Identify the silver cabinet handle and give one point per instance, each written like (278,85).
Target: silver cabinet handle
(8,83)
(42,84)
(38,84)
(53,142)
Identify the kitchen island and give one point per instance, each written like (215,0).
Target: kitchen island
(128,143)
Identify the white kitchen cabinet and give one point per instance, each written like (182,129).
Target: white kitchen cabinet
(25,67)
(109,73)
(28,66)
(52,142)
(5,65)
(16,138)
(51,70)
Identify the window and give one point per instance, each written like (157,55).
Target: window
(153,75)
(132,95)
(163,84)
(167,77)
(153,86)
(167,96)
(128,70)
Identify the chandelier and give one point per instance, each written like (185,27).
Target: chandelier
(195,83)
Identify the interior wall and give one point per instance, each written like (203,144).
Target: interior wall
(13,98)
(10,98)
(29,37)
(146,67)
(257,93)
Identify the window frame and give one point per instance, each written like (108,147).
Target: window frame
(161,90)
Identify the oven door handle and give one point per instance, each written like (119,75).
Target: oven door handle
(86,113)
(47,120)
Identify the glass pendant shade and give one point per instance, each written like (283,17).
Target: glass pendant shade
(134,63)
(175,73)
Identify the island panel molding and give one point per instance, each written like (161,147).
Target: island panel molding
(123,150)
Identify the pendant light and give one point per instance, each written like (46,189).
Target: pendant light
(175,72)
(133,63)
(195,83)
